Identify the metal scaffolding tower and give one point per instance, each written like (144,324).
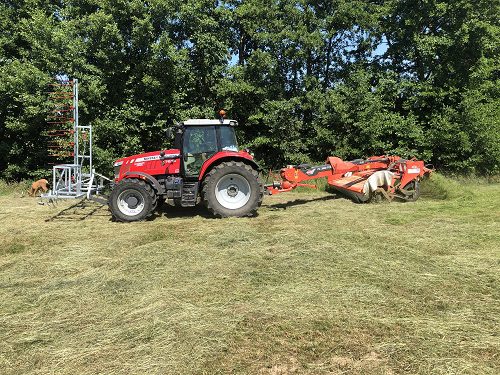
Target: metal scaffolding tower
(75,179)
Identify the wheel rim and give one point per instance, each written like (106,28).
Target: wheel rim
(131,202)
(233,191)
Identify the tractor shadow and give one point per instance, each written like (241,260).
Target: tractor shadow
(299,202)
(168,211)
(173,212)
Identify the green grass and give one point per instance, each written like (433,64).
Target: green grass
(19,188)
(312,285)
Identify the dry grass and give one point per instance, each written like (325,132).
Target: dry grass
(313,285)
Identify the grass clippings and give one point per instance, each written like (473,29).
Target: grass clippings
(312,285)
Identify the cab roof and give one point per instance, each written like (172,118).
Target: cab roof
(208,122)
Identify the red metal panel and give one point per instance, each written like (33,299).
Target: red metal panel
(150,163)
(222,155)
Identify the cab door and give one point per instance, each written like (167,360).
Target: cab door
(199,144)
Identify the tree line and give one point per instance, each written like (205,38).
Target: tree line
(304,78)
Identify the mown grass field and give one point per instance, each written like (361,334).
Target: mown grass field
(312,285)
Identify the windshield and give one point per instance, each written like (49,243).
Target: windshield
(228,138)
(198,139)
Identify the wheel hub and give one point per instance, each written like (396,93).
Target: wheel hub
(233,191)
(132,202)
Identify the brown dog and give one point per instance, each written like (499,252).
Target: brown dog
(37,186)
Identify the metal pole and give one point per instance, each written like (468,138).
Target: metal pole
(54,186)
(76,150)
(75,117)
(90,150)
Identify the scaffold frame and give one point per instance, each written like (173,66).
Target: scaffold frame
(77,179)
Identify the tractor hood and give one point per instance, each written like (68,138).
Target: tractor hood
(142,158)
(148,162)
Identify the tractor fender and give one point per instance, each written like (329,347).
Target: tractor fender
(227,156)
(153,181)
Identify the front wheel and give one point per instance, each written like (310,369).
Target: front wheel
(132,200)
(232,189)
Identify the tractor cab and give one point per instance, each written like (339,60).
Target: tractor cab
(201,139)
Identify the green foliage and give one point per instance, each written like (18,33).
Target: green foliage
(22,119)
(442,187)
(304,78)
(20,189)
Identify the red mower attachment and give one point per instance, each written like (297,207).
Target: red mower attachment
(378,177)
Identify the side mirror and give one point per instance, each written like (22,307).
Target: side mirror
(169,133)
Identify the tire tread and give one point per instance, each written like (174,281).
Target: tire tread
(142,184)
(214,171)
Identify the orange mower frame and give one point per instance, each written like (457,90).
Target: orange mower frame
(362,180)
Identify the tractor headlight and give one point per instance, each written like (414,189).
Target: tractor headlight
(117,167)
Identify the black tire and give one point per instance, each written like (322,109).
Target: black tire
(133,188)
(414,188)
(242,172)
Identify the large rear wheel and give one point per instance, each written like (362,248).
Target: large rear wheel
(132,200)
(232,189)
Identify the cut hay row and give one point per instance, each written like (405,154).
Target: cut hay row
(313,285)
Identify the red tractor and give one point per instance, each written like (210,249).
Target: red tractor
(205,163)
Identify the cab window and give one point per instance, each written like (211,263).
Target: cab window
(200,143)
(228,138)
(198,139)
